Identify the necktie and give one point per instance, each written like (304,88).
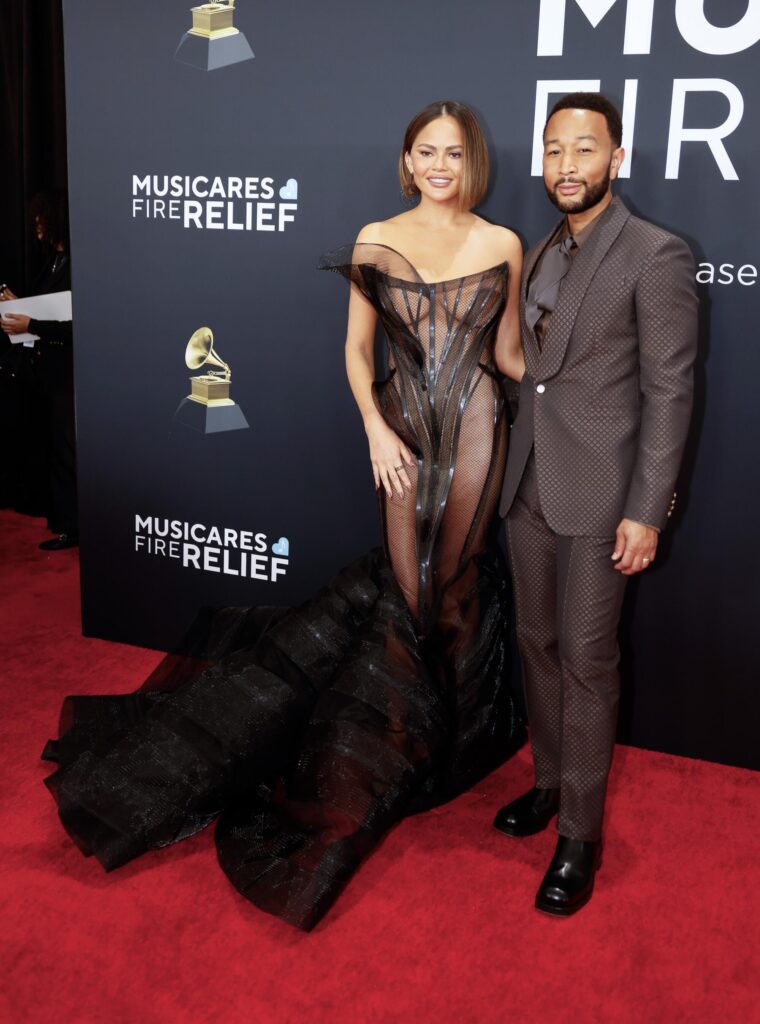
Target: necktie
(544,288)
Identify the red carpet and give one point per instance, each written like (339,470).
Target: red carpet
(437,927)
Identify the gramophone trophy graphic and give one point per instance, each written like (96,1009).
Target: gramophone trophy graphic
(213,41)
(208,408)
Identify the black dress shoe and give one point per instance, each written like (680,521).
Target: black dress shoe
(65,540)
(528,814)
(569,882)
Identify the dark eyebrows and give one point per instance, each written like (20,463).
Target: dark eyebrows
(429,145)
(578,138)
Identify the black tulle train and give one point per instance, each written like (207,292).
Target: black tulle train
(309,732)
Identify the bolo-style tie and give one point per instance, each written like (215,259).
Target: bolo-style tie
(544,288)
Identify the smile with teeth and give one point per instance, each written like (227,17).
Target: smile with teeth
(440,182)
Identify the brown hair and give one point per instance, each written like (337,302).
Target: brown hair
(50,209)
(474,180)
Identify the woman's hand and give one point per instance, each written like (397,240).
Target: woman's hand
(6,294)
(15,323)
(389,456)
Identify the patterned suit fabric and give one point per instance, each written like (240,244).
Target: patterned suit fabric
(604,410)
(615,370)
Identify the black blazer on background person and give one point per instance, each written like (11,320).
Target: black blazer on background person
(52,356)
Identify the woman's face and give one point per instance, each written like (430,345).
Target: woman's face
(436,160)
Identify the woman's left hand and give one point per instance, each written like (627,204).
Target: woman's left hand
(15,323)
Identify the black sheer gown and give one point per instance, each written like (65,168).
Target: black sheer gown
(309,732)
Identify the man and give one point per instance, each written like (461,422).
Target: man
(609,328)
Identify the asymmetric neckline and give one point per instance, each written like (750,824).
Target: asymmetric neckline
(449,280)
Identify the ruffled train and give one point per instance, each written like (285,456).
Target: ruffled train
(307,733)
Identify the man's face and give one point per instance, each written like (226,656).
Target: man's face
(580,159)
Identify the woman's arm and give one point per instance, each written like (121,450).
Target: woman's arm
(387,451)
(360,351)
(508,350)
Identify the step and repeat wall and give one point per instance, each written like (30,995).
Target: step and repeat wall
(215,153)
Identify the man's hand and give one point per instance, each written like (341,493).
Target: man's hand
(6,294)
(635,546)
(15,323)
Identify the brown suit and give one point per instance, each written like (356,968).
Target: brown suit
(604,411)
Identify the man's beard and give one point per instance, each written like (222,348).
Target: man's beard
(592,195)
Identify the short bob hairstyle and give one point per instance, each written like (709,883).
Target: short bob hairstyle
(474,180)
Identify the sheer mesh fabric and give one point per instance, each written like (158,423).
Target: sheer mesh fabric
(309,732)
(443,398)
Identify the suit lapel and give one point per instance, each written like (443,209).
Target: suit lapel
(575,285)
(530,343)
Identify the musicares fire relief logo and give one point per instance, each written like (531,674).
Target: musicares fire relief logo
(215,203)
(727,273)
(691,23)
(214,549)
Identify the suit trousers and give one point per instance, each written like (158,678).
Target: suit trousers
(568,598)
(63,516)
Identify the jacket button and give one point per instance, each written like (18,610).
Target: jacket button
(540,388)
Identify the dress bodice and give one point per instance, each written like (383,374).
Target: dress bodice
(437,332)
(443,398)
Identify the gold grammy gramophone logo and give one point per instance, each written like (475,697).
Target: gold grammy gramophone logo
(212,388)
(211,21)
(213,41)
(208,408)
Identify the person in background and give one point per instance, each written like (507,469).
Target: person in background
(50,369)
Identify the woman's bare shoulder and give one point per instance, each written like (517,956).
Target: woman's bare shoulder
(502,243)
(502,237)
(383,231)
(371,233)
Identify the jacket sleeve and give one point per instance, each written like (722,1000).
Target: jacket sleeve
(666,313)
(53,332)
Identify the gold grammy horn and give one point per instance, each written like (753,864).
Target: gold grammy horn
(200,351)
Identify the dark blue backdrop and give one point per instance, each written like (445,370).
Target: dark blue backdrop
(324,103)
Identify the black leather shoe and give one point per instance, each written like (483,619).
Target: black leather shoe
(528,814)
(569,882)
(65,540)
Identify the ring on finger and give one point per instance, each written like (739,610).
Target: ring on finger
(397,468)
(645,561)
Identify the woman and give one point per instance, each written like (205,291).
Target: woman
(388,692)
(49,369)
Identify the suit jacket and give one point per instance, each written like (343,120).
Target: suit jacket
(52,356)
(606,402)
